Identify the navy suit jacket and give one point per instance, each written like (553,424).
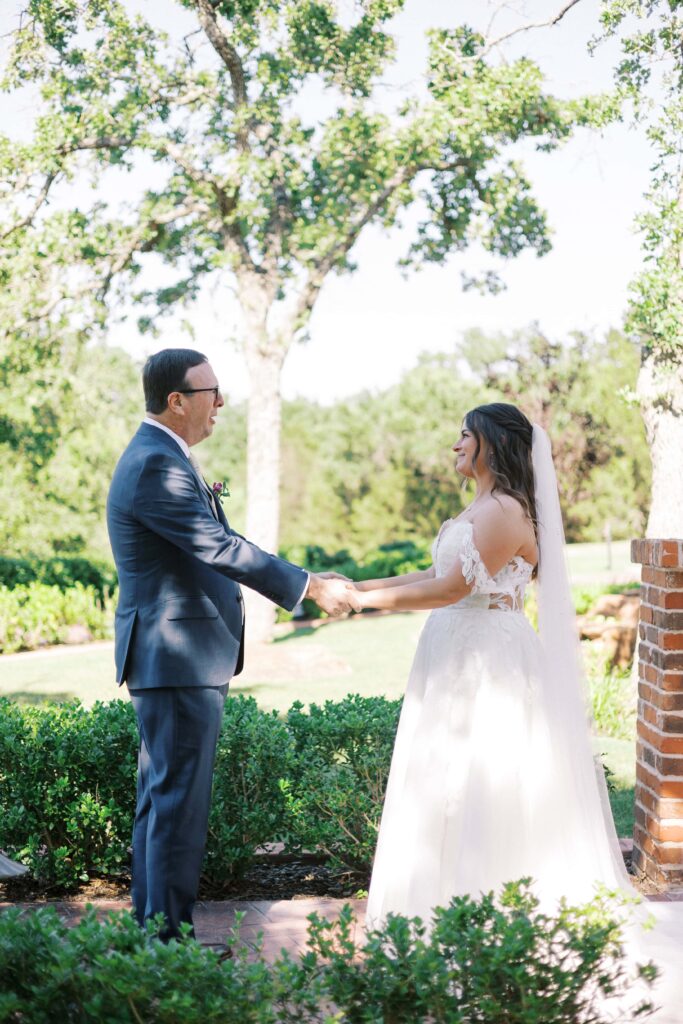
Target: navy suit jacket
(180,617)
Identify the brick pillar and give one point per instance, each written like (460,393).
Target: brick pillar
(658,832)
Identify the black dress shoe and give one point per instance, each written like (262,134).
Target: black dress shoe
(224,951)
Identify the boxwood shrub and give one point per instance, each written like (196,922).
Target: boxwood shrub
(316,779)
(489,960)
(335,792)
(392,559)
(62,573)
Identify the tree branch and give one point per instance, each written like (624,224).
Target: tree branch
(228,54)
(226,203)
(25,221)
(316,277)
(527,28)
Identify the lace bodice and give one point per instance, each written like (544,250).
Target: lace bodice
(504,591)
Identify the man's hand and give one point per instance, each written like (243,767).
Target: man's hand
(334,596)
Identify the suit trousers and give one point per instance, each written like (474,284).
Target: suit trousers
(179,729)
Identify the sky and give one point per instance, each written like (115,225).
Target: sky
(369,328)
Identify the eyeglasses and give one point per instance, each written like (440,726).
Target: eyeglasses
(195,391)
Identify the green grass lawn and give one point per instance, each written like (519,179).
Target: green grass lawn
(365,655)
(589,563)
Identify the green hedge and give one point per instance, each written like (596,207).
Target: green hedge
(393,559)
(35,614)
(67,785)
(342,755)
(63,573)
(489,960)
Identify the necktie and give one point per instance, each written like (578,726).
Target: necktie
(198,470)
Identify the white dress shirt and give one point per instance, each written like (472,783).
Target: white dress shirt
(184,447)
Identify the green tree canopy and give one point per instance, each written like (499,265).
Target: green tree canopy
(650,75)
(245,188)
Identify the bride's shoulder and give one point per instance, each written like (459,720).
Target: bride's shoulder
(502,506)
(501,515)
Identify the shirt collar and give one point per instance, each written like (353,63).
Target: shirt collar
(182,444)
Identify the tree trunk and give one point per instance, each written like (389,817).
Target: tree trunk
(263,472)
(660,389)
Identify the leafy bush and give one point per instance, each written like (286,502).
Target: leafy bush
(35,614)
(393,559)
(248,806)
(67,788)
(316,780)
(487,960)
(490,960)
(342,755)
(62,573)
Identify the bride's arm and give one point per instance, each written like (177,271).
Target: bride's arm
(497,536)
(396,581)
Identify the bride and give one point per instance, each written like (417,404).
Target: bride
(492,777)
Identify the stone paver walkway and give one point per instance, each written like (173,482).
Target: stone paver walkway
(278,924)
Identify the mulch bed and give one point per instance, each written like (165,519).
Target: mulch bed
(270,877)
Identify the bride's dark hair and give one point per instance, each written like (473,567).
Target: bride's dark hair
(508,434)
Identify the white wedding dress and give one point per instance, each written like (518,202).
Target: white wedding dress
(10,868)
(493,777)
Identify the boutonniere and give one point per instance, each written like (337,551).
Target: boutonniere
(220,490)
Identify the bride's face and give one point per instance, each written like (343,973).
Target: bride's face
(464,449)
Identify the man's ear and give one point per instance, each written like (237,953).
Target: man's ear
(175,403)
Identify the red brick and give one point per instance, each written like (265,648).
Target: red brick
(643,840)
(668,579)
(668,723)
(648,776)
(649,673)
(672,682)
(647,712)
(662,833)
(668,764)
(664,875)
(646,799)
(662,701)
(662,742)
(645,654)
(641,551)
(664,619)
(670,641)
(668,808)
(668,661)
(668,553)
(669,854)
(659,597)
(666,789)
(645,691)
(647,755)
(647,613)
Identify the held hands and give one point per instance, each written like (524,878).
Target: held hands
(333,593)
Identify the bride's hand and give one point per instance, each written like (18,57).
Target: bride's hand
(334,576)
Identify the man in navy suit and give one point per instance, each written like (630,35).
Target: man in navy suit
(180,623)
